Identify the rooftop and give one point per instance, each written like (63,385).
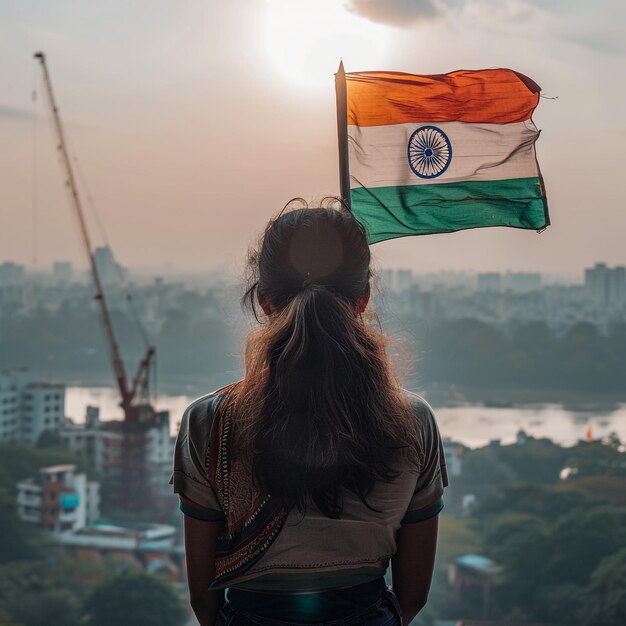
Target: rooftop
(55,469)
(477,563)
(36,385)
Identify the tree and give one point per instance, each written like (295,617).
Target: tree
(134,600)
(54,606)
(578,541)
(605,596)
(49,439)
(16,542)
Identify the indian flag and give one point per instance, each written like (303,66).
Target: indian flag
(441,153)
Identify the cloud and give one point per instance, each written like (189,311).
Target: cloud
(572,21)
(504,16)
(396,12)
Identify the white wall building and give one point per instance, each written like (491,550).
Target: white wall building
(59,499)
(28,408)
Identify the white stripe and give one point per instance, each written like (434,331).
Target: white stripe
(379,154)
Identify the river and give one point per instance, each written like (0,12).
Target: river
(471,424)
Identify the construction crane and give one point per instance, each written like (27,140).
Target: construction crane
(137,415)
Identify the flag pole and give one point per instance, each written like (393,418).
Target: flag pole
(342,134)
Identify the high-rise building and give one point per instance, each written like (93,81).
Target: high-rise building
(11,274)
(386,277)
(605,285)
(522,282)
(62,272)
(107,266)
(404,279)
(59,499)
(489,281)
(616,287)
(596,283)
(28,408)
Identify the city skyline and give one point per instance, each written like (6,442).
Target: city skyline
(69,271)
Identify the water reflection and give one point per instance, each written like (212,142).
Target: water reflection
(474,425)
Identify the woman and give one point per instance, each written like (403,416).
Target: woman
(302,481)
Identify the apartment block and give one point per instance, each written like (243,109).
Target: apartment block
(28,408)
(59,499)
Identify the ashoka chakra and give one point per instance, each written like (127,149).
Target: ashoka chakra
(429,152)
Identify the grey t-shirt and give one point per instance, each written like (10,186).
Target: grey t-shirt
(313,551)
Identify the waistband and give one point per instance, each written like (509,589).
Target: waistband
(308,607)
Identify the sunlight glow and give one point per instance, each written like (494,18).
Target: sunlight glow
(305,41)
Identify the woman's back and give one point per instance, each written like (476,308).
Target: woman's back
(312,551)
(305,476)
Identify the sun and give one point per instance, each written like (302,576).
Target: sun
(304,41)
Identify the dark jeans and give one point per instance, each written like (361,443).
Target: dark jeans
(385,611)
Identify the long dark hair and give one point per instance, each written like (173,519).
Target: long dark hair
(319,406)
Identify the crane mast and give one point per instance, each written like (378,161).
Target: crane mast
(131,487)
(141,379)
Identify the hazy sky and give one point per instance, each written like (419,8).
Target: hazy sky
(194,121)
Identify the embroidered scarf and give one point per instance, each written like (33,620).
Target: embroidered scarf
(253,518)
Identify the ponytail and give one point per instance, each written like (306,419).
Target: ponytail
(319,404)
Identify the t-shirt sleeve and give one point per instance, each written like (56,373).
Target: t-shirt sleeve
(190,476)
(427,499)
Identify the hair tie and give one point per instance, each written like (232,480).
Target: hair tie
(307,280)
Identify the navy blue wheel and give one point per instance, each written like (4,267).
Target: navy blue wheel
(429,152)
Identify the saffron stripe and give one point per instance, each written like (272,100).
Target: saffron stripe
(496,96)
(390,212)
(423,514)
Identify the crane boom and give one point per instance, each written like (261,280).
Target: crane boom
(127,393)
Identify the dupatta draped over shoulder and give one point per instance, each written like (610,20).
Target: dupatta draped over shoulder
(210,472)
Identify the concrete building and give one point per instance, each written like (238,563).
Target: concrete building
(596,283)
(59,499)
(616,287)
(490,281)
(119,537)
(62,272)
(474,570)
(108,268)
(28,408)
(100,443)
(605,285)
(11,274)
(522,282)
(387,279)
(404,280)
(136,546)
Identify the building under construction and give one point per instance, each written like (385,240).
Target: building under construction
(129,442)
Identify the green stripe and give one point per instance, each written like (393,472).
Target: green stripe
(203,514)
(419,516)
(390,212)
